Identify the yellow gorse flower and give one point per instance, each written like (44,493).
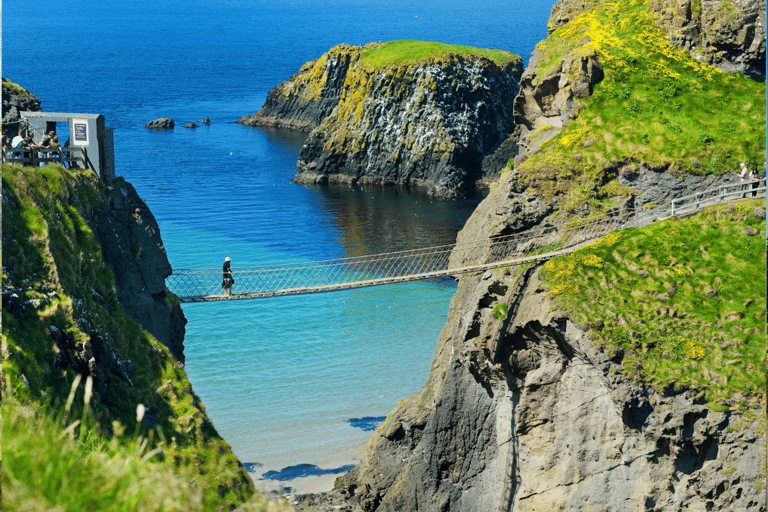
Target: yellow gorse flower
(694,350)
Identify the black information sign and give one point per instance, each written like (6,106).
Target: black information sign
(81,132)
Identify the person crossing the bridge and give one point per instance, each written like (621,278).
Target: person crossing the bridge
(227,274)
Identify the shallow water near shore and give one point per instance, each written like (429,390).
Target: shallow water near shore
(280,378)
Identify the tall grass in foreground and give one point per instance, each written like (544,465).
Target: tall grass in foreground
(54,462)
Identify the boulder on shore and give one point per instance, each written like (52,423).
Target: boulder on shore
(163,123)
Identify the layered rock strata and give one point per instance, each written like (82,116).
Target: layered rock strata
(426,126)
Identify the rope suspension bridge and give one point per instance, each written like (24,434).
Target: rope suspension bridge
(204,285)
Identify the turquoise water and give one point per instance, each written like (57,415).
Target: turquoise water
(281,378)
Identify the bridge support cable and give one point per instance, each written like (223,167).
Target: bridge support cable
(204,285)
(197,285)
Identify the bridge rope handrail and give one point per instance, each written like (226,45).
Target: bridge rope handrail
(529,234)
(204,284)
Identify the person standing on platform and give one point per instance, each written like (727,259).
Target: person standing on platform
(754,177)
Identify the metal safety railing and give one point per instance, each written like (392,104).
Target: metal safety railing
(73,156)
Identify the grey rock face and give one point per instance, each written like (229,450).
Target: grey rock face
(659,187)
(524,414)
(546,99)
(724,33)
(131,245)
(431,135)
(162,123)
(15,101)
(556,98)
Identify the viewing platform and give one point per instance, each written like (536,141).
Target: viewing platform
(90,142)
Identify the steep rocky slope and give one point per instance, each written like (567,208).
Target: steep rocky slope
(526,408)
(84,293)
(565,70)
(525,413)
(729,34)
(426,123)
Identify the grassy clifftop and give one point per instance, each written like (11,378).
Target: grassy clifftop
(12,88)
(408,52)
(656,106)
(312,80)
(61,318)
(681,304)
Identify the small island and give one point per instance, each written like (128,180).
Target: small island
(413,114)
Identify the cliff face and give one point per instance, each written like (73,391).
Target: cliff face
(16,99)
(426,125)
(131,245)
(522,413)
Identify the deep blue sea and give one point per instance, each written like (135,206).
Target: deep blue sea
(292,380)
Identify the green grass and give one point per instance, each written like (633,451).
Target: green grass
(49,245)
(52,462)
(13,88)
(656,106)
(646,297)
(406,52)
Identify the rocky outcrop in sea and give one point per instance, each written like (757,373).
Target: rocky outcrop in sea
(162,123)
(425,125)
